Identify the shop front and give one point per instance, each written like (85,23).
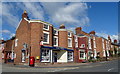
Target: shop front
(56,54)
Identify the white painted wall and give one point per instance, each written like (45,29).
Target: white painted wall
(62,56)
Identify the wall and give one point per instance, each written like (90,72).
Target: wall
(62,55)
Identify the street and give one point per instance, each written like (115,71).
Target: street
(104,66)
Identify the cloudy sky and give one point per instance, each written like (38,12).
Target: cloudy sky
(97,16)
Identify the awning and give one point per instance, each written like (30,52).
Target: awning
(57,48)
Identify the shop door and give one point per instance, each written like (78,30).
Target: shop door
(54,57)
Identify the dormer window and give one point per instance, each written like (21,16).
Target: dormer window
(69,34)
(46,27)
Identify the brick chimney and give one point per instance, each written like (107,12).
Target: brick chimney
(109,37)
(92,32)
(25,15)
(62,26)
(115,41)
(78,30)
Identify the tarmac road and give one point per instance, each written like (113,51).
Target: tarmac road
(105,66)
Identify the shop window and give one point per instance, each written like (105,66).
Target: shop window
(45,55)
(70,56)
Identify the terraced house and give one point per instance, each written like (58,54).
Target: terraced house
(48,44)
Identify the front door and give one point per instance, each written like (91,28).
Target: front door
(23,55)
(54,57)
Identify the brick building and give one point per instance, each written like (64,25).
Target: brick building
(83,50)
(48,44)
(42,41)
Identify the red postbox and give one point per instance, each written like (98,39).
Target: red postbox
(31,61)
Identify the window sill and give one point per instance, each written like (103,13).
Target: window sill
(45,42)
(45,29)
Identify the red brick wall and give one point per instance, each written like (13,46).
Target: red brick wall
(36,34)
(63,39)
(23,36)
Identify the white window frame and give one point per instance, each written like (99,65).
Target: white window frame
(56,41)
(70,42)
(70,57)
(47,39)
(93,38)
(48,56)
(104,54)
(94,44)
(16,42)
(45,28)
(70,34)
(82,46)
(56,32)
(90,46)
(80,54)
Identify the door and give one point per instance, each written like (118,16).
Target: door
(23,55)
(54,57)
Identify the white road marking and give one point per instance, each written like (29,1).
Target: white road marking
(64,69)
(110,69)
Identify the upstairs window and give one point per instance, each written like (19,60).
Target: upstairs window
(55,32)
(46,27)
(16,42)
(70,42)
(69,34)
(82,46)
(46,37)
(55,41)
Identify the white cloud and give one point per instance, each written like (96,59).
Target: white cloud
(72,13)
(105,35)
(8,15)
(5,31)
(12,35)
(34,9)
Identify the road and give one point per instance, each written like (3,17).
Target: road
(105,66)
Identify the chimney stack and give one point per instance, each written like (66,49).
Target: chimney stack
(62,26)
(92,32)
(78,30)
(25,15)
(115,41)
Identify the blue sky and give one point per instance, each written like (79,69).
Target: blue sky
(101,17)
